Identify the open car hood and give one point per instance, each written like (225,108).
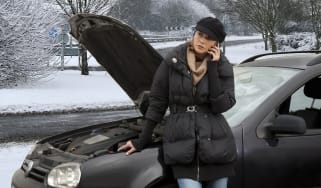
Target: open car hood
(127,57)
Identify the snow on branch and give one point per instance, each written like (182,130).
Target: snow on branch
(72,7)
(27,51)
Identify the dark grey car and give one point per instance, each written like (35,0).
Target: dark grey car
(276,121)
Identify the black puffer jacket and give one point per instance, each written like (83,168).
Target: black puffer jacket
(199,141)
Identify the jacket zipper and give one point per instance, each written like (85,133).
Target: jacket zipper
(198,162)
(193,92)
(197,135)
(196,130)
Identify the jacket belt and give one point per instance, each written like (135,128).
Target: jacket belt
(188,108)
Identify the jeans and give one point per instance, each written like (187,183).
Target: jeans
(189,183)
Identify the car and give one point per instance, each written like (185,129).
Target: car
(276,121)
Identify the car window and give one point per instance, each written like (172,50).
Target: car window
(306,103)
(299,101)
(252,86)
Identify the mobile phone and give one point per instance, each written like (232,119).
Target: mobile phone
(211,56)
(210,53)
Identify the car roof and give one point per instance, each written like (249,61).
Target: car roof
(296,60)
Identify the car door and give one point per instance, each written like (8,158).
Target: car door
(285,159)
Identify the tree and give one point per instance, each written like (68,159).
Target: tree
(157,15)
(73,7)
(295,14)
(315,13)
(218,7)
(263,15)
(26,50)
(184,13)
(135,13)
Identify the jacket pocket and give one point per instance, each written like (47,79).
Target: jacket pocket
(179,152)
(218,151)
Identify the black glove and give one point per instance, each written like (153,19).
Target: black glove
(145,138)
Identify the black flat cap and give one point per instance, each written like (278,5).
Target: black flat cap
(213,27)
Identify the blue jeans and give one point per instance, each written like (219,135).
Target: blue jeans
(189,183)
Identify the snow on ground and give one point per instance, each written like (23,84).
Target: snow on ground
(235,37)
(236,54)
(11,157)
(68,90)
(65,90)
(296,41)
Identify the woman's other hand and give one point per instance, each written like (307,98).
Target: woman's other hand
(128,146)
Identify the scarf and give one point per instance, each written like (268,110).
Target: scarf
(197,68)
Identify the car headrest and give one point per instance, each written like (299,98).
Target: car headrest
(312,88)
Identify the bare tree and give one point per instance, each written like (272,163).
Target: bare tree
(263,15)
(26,50)
(315,13)
(73,7)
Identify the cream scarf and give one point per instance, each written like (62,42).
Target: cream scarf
(197,68)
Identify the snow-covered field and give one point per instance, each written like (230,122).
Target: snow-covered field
(65,90)
(70,90)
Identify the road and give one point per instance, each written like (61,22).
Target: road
(31,127)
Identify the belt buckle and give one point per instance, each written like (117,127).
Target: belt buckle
(191,108)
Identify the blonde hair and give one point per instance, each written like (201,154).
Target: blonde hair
(190,45)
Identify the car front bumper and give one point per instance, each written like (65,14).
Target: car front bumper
(19,180)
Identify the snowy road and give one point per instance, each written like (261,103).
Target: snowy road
(30,127)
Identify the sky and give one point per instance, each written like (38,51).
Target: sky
(70,90)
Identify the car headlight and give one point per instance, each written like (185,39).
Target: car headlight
(66,175)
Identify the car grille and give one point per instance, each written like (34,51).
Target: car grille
(37,173)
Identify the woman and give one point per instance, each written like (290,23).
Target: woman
(196,82)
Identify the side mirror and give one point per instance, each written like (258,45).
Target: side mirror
(288,124)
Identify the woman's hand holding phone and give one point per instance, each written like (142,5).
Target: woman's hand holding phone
(215,52)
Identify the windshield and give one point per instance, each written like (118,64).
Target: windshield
(252,86)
